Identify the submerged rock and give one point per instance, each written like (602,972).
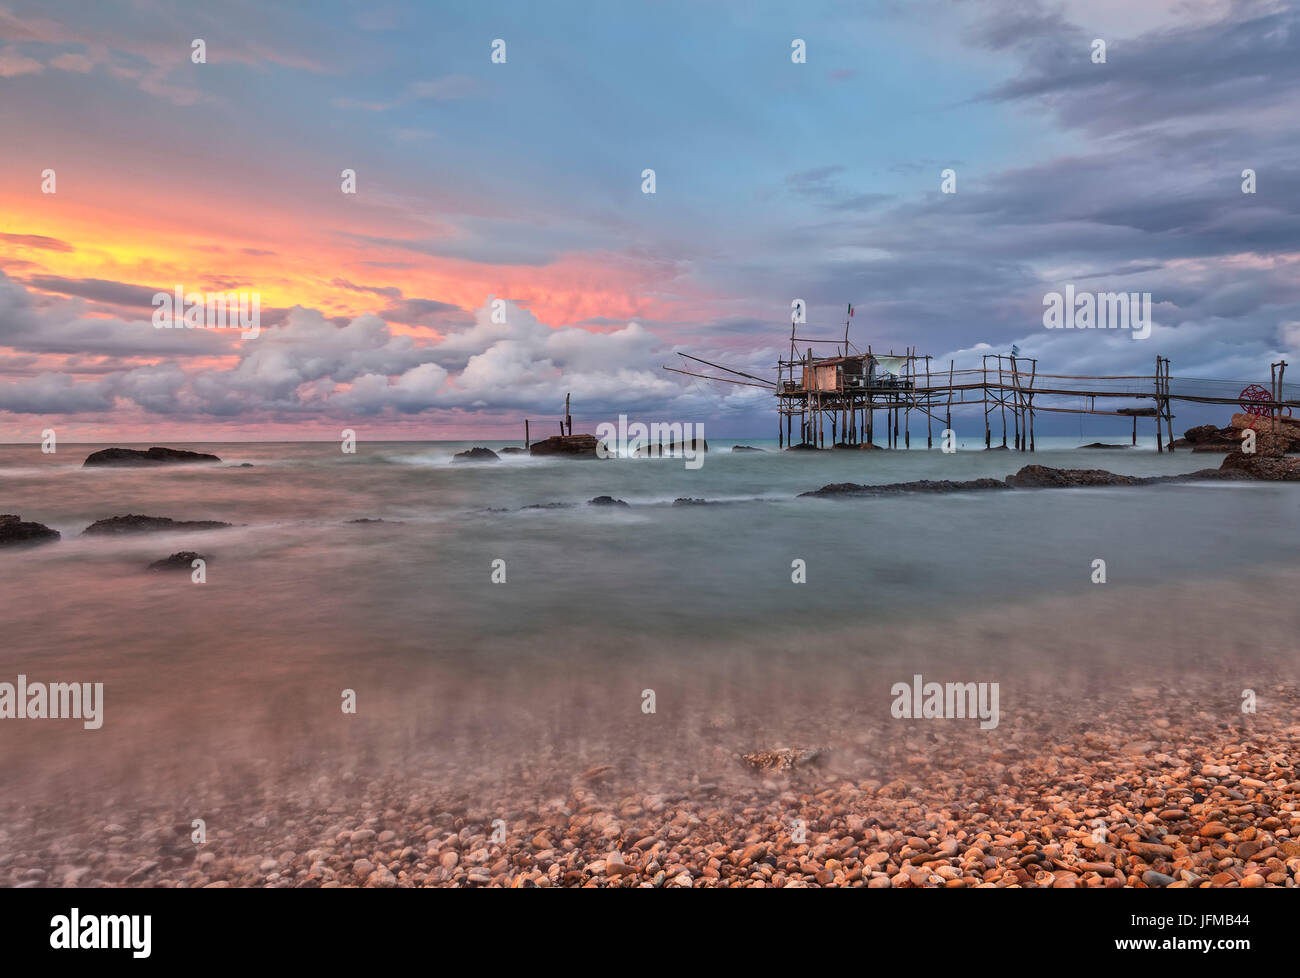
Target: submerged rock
(476,455)
(15,533)
(512,450)
(746,448)
(154,456)
(782,758)
(577,446)
(690,501)
(131,523)
(182,561)
(605,501)
(1102,444)
(803,446)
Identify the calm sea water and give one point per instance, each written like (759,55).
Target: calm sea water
(598,602)
(294,571)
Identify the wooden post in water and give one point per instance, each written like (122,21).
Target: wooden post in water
(527,440)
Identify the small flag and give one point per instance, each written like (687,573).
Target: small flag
(850,310)
(1015,350)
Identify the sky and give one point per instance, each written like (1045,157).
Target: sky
(490,189)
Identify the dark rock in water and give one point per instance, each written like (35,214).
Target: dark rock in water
(672,449)
(577,446)
(548,506)
(367,519)
(605,501)
(1268,468)
(997,448)
(1041,476)
(746,448)
(15,533)
(244,465)
(803,446)
(924,485)
(864,446)
(1208,438)
(512,450)
(689,501)
(476,455)
(182,561)
(154,456)
(1102,444)
(116,525)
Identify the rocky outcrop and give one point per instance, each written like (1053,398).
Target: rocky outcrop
(182,561)
(672,449)
(893,488)
(803,446)
(15,533)
(572,446)
(154,456)
(476,455)
(512,450)
(131,523)
(1102,444)
(746,448)
(1208,438)
(862,446)
(605,501)
(1269,468)
(1043,477)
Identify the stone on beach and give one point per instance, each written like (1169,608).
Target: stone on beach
(476,455)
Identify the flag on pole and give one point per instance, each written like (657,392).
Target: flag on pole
(850,310)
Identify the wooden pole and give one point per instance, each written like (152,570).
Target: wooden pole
(527,439)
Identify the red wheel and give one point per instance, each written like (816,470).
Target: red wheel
(1250,398)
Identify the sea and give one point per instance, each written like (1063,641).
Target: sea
(487,618)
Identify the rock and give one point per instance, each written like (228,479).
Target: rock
(512,450)
(1152,878)
(576,446)
(117,525)
(1286,438)
(803,446)
(689,501)
(15,533)
(182,561)
(673,448)
(1257,466)
(863,446)
(746,448)
(605,501)
(782,758)
(1041,476)
(476,455)
(154,456)
(1101,444)
(924,485)
(367,519)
